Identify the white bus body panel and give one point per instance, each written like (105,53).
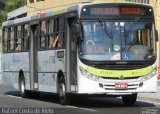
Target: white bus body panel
(48,67)
(12,63)
(92,87)
(87,86)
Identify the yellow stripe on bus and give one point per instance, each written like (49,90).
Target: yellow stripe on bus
(117,73)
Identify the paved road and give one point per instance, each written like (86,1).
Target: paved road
(10,101)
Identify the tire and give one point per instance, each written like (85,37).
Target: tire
(23,91)
(129,99)
(63,97)
(33,94)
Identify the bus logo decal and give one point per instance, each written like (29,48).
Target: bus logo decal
(121,77)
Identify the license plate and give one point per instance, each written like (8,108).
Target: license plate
(121,85)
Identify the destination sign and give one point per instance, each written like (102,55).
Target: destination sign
(116,10)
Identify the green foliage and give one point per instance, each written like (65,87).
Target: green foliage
(10,5)
(3,16)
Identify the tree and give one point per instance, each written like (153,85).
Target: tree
(10,5)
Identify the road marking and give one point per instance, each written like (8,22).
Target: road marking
(13,96)
(87,109)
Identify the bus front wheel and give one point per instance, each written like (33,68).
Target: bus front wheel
(63,97)
(129,99)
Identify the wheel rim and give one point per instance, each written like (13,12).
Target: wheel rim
(22,87)
(62,91)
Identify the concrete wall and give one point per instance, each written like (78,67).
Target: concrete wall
(50,5)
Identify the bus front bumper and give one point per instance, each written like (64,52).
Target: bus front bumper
(87,86)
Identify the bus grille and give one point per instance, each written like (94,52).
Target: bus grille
(119,67)
(117,78)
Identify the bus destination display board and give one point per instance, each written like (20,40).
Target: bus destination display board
(118,10)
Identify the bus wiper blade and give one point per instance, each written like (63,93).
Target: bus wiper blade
(131,27)
(105,28)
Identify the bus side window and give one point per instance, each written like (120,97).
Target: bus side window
(11,43)
(43,34)
(25,36)
(18,48)
(56,32)
(52,41)
(51,37)
(19,36)
(61,32)
(60,42)
(56,42)
(5,37)
(18,43)
(54,29)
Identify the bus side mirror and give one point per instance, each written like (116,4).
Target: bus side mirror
(156,35)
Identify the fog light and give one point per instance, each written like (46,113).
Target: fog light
(141,84)
(101,85)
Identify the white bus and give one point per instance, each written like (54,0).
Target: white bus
(89,48)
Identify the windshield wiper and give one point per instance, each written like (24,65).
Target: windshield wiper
(105,28)
(131,27)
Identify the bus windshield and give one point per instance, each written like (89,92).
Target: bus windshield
(117,40)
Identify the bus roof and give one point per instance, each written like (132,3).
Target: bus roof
(76,7)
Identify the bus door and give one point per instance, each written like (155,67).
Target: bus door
(34,29)
(71,55)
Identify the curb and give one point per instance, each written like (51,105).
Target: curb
(148,99)
(4,84)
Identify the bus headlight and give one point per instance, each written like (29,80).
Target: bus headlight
(82,70)
(88,75)
(149,76)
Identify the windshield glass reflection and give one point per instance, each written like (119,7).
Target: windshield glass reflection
(110,40)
